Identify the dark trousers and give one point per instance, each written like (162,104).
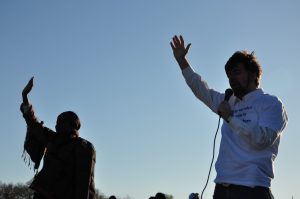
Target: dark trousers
(38,196)
(241,192)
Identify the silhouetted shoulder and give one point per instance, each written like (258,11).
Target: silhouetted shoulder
(85,147)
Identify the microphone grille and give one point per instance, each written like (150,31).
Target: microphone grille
(228,94)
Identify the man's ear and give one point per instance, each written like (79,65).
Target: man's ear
(252,76)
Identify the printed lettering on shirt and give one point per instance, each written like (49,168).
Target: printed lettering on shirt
(245,113)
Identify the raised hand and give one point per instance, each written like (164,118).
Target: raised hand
(180,51)
(27,90)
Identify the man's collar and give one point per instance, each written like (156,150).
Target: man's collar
(249,96)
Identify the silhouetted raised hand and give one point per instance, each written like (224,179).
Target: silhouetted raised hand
(27,90)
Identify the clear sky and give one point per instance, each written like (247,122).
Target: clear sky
(110,61)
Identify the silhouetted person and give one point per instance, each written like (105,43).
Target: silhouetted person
(252,127)
(69,161)
(112,197)
(152,197)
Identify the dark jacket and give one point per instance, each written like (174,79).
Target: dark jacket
(69,161)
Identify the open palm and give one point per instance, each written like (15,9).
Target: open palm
(179,50)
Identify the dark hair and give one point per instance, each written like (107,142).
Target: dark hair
(112,197)
(248,60)
(70,118)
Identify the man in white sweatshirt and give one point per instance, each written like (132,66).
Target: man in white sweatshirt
(252,127)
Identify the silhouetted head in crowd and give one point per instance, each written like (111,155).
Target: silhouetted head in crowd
(160,196)
(112,197)
(194,196)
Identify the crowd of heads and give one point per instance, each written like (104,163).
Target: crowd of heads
(160,195)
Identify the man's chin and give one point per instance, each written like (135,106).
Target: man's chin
(239,93)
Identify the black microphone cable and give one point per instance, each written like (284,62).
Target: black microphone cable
(213,157)
(228,94)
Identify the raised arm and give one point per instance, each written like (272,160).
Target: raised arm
(37,136)
(32,144)
(180,51)
(208,96)
(26,107)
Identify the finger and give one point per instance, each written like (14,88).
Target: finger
(188,47)
(29,86)
(181,40)
(30,83)
(176,41)
(31,80)
(173,47)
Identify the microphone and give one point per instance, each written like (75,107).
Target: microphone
(228,94)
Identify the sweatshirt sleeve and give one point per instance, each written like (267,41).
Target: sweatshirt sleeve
(37,136)
(199,87)
(35,127)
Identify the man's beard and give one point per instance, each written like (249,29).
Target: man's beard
(239,90)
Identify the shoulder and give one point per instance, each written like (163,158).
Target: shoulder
(267,99)
(85,147)
(271,104)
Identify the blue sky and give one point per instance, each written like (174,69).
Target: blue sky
(111,62)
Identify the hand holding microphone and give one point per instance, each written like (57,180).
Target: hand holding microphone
(224,109)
